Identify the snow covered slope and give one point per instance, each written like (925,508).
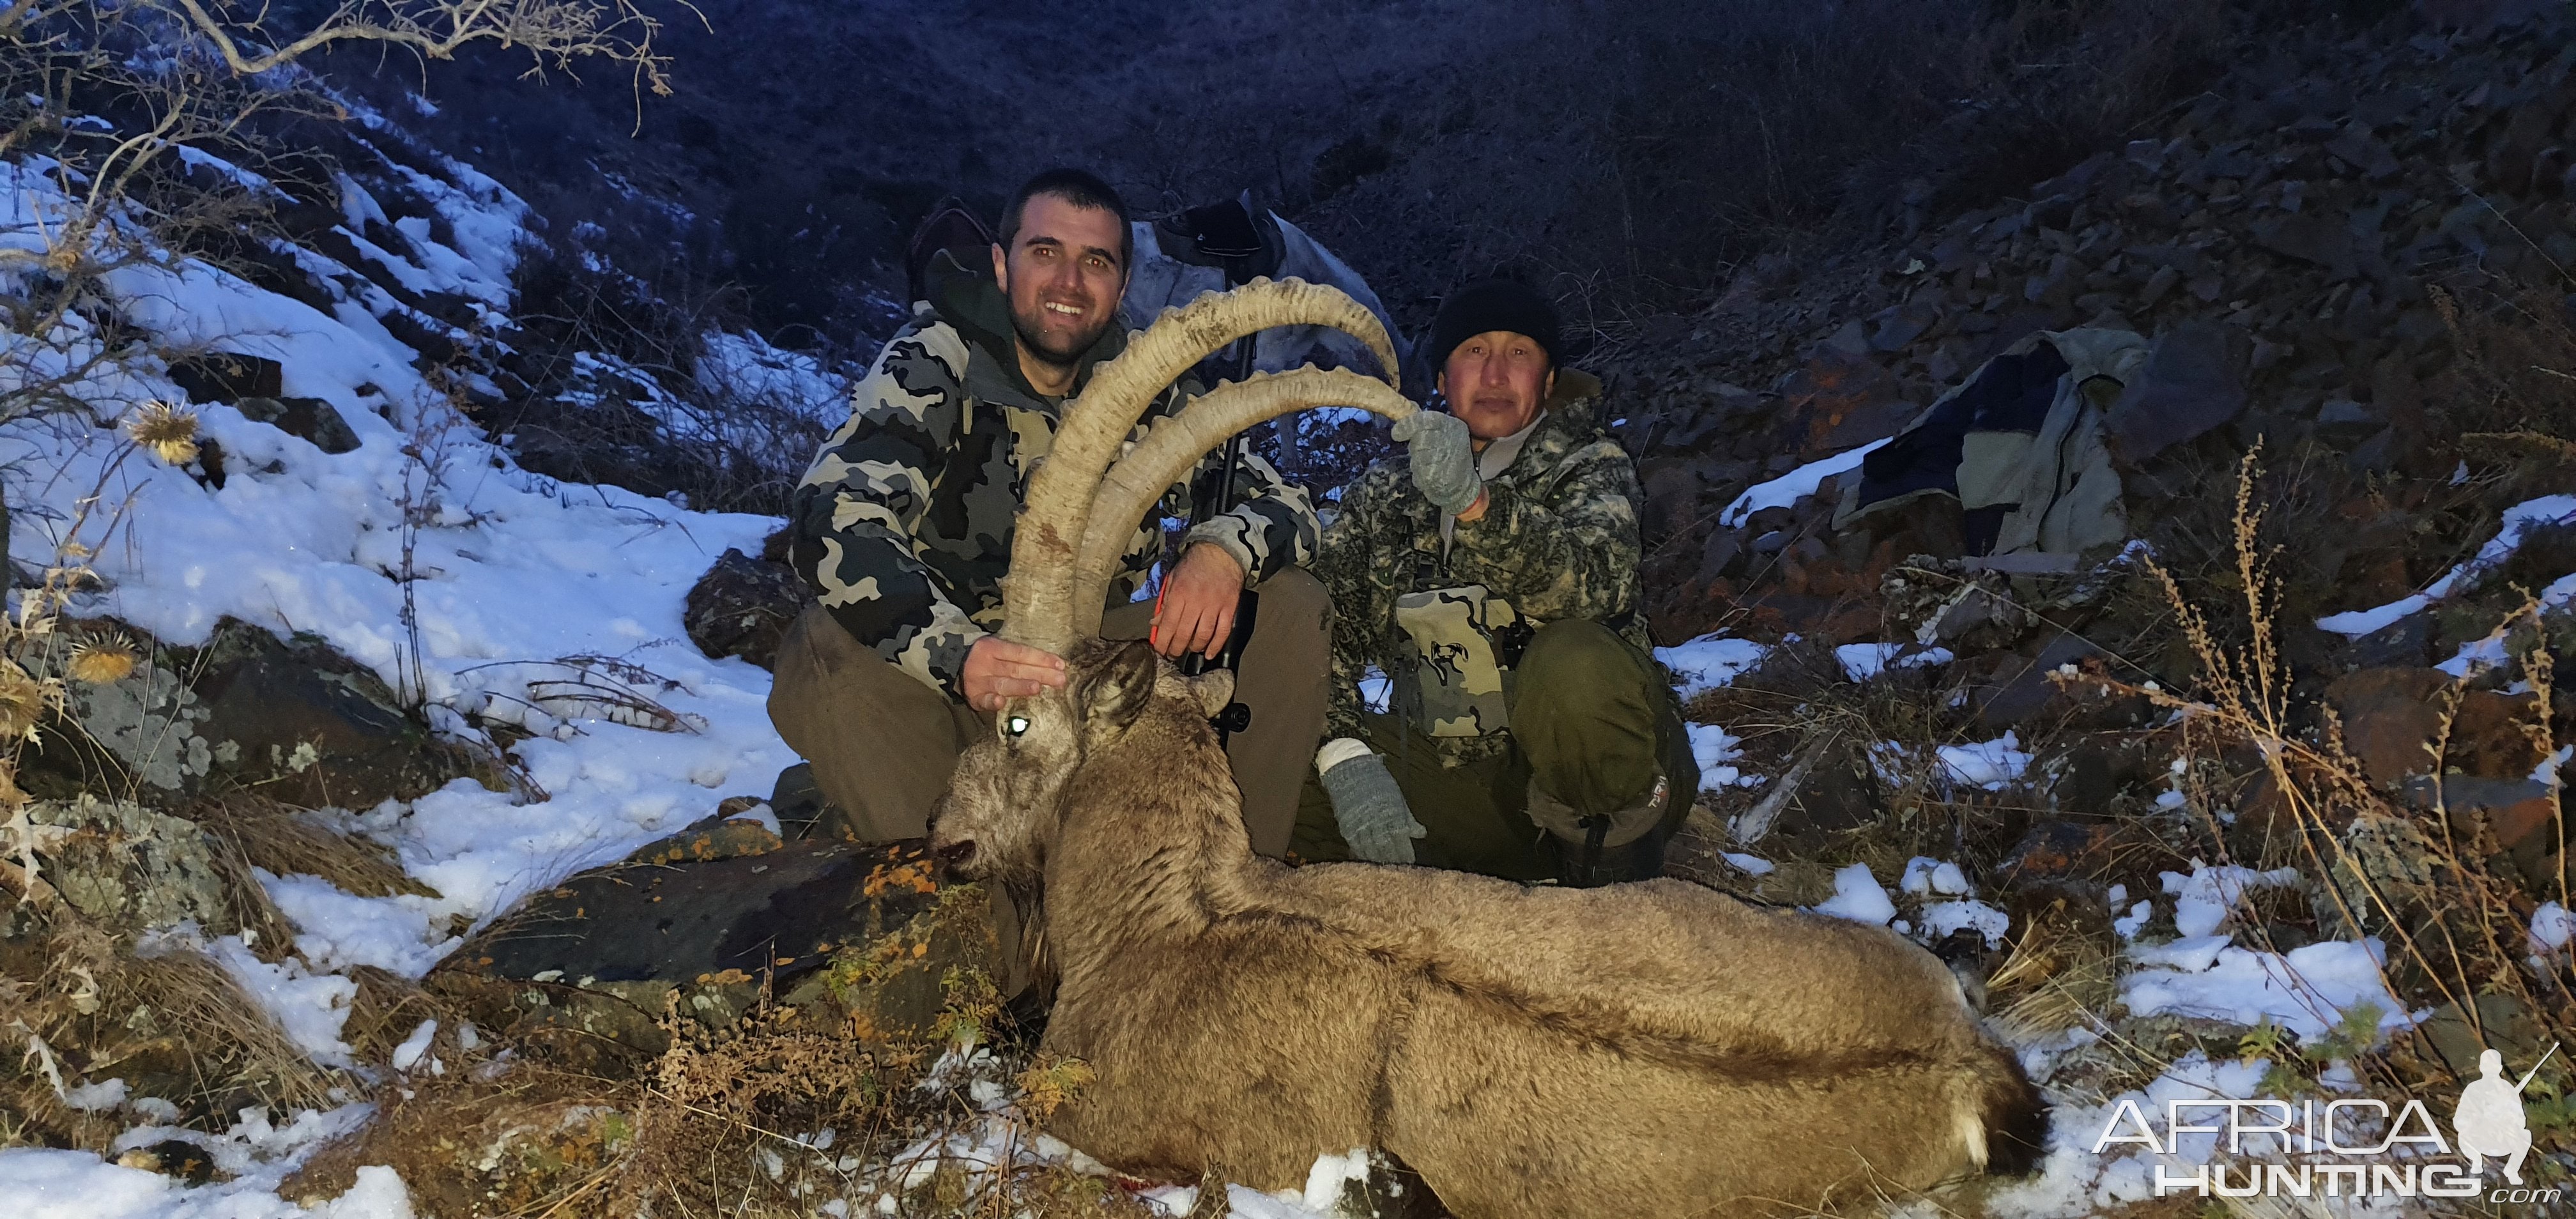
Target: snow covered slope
(424,546)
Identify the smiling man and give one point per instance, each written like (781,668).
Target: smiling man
(1492,577)
(903,527)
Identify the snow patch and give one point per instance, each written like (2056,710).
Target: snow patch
(1858,897)
(2518,520)
(1714,749)
(1708,663)
(2552,926)
(1940,920)
(1793,486)
(1989,764)
(1924,874)
(1863,661)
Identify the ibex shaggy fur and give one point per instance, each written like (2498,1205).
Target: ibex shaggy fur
(1655,1049)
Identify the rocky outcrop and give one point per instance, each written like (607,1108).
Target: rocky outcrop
(127,868)
(724,913)
(2282,235)
(291,718)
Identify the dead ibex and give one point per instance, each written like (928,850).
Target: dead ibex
(1641,1050)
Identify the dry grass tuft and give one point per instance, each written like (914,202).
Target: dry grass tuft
(232,1046)
(77,1004)
(2058,975)
(283,840)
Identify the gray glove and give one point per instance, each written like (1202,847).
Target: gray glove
(1443,457)
(1369,808)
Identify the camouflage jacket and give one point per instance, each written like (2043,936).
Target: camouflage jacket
(1558,540)
(903,523)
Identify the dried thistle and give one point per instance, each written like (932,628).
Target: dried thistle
(171,433)
(101,663)
(23,700)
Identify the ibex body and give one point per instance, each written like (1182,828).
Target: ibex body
(1643,1050)
(1640,1050)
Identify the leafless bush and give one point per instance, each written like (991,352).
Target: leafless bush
(2511,393)
(659,388)
(135,134)
(2454,915)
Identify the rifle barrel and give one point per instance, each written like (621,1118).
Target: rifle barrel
(2535,1068)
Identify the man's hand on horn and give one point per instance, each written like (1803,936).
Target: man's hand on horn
(998,669)
(1196,610)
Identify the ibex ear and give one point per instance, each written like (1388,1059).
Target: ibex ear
(1116,683)
(1213,690)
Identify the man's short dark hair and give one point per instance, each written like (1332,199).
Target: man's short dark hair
(1081,188)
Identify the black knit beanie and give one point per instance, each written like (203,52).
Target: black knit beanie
(1494,304)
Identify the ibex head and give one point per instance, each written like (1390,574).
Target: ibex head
(1080,515)
(1002,809)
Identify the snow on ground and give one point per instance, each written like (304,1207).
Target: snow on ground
(506,575)
(2552,926)
(1698,666)
(2518,520)
(745,367)
(2202,972)
(51,1184)
(1793,486)
(497,581)
(1858,897)
(1708,663)
(2307,992)
(1863,661)
(1924,874)
(1715,751)
(1987,764)
(2490,652)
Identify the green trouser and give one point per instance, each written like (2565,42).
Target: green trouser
(1592,725)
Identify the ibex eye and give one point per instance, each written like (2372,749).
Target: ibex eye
(1016,725)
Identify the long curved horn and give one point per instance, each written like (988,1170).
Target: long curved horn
(1130,488)
(1038,599)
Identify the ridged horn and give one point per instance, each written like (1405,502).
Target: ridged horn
(1038,604)
(1130,488)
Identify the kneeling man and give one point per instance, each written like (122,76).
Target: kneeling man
(905,521)
(1491,577)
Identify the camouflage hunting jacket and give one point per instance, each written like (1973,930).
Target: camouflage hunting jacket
(903,523)
(1558,540)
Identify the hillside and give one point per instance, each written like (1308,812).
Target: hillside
(393,825)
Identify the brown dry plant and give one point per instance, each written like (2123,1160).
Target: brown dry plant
(2455,926)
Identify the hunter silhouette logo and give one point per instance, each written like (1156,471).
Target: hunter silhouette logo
(2316,1160)
(2489,1120)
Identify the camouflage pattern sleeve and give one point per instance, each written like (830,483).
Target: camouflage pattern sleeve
(1271,526)
(856,509)
(1357,579)
(1567,550)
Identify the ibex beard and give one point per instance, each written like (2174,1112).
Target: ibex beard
(1639,1050)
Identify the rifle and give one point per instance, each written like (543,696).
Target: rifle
(1228,237)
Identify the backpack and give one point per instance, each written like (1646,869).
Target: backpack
(950,227)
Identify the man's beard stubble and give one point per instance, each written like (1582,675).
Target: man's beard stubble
(1060,353)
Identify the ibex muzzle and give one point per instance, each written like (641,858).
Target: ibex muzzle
(1639,1050)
